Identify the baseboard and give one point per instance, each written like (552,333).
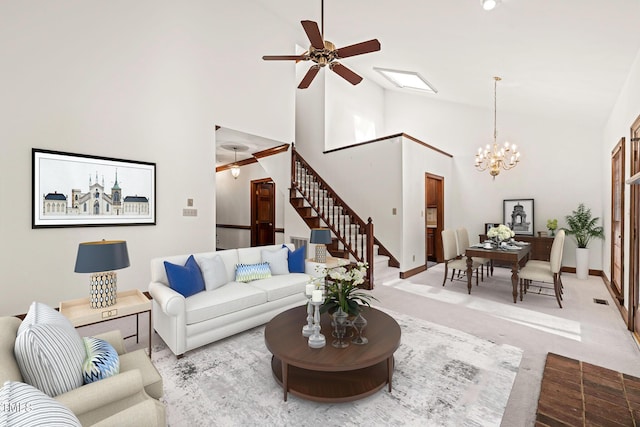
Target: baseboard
(412,272)
(623,311)
(573,270)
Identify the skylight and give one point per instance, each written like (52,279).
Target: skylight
(406,79)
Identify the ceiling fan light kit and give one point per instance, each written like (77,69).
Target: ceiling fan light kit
(489,4)
(322,52)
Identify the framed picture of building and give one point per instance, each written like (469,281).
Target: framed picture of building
(79,190)
(518,215)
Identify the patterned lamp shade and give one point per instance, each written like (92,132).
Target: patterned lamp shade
(101,258)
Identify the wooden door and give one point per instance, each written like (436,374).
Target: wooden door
(617,220)
(634,282)
(263,212)
(434,217)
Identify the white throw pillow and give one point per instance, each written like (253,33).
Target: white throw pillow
(49,351)
(24,405)
(277,260)
(213,271)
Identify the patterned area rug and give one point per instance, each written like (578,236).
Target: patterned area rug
(443,377)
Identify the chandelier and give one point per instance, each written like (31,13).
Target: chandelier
(235,169)
(494,158)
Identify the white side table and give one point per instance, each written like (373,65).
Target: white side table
(316,269)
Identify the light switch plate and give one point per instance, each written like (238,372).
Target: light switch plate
(189,212)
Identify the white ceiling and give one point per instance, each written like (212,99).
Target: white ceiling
(555,56)
(247,145)
(565,58)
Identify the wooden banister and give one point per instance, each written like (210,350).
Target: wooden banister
(355,234)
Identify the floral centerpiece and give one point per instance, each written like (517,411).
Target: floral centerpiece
(552,225)
(500,233)
(342,291)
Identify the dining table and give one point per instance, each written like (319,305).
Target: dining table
(514,254)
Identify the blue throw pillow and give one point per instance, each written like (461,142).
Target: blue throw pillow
(186,280)
(296,259)
(102,360)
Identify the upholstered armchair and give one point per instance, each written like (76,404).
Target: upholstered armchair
(128,398)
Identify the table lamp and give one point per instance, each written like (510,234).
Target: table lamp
(320,237)
(100,259)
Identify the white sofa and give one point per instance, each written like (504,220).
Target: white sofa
(210,315)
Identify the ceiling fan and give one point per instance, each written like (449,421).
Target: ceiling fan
(323,53)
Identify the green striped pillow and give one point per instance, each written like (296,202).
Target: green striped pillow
(248,272)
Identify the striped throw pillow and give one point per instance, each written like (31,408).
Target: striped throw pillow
(49,358)
(25,406)
(248,272)
(102,360)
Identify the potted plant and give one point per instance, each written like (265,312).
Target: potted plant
(583,227)
(342,290)
(552,226)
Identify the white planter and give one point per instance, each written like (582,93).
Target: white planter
(582,263)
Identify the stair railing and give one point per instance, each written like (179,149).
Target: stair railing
(355,235)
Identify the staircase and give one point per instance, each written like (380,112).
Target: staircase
(319,206)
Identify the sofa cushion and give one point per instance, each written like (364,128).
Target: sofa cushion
(248,272)
(186,280)
(227,299)
(278,287)
(25,405)
(102,360)
(277,260)
(295,259)
(213,270)
(49,358)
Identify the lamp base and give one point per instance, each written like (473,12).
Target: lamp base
(103,289)
(321,253)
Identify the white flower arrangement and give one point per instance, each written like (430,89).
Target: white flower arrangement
(501,232)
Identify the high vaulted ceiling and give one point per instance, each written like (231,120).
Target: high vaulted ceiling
(557,57)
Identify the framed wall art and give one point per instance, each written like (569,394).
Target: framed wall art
(78,190)
(518,215)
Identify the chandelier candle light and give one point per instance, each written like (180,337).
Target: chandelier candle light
(494,158)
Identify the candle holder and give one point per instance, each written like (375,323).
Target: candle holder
(307,329)
(316,340)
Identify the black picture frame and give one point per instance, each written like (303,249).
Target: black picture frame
(81,190)
(518,215)
(489,225)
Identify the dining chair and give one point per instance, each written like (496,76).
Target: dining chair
(462,237)
(452,259)
(540,272)
(557,240)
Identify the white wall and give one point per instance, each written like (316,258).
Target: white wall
(416,161)
(141,80)
(560,165)
(625,112)
(353,113)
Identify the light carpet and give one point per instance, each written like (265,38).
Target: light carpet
(443,377)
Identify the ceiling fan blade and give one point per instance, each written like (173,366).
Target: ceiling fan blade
(285,58)
(345,73)
(313,32)
(358,48)
(308,78)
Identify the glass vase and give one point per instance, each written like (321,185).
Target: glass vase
(340,320)
(359,324)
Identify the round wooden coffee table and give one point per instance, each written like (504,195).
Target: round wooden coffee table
(331,374)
